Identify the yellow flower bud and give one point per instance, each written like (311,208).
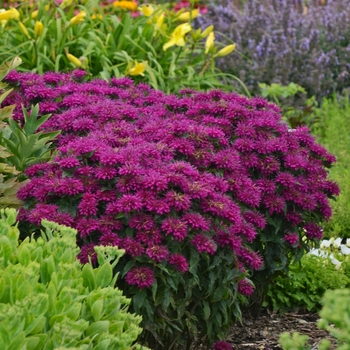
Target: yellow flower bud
(186,16)
(226,50)
(38,28)
(99,16)
(74,60)
(47,7)
(78,18)
(23,29)
(207,31)
(209,42)
(35,14)
(137,69)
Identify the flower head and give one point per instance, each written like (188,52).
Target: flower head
(142,277)
(78,18)
(177,36)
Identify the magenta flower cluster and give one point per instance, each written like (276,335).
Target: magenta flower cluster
(154,173)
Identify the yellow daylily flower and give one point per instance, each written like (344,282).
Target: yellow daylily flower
(186,16)
(12,13)
(74,60)
(38,28)
(160,20)
(226,50)
(207,31)
(78,18)
(23,29)
(128,5)
(147,10)
(177,36)
(137,69)
(209,42)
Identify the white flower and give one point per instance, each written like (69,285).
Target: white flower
(337,243)
(335,261)
(318,252)
(348,242)
(325,244)
(344,249)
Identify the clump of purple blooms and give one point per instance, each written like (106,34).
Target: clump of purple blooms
(169,176)
(279,41)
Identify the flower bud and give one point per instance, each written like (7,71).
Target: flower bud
(38,28)
(209,42)
(226,50)
(207,31)
(74,60)
(23,29)
(186,16)
(35,14)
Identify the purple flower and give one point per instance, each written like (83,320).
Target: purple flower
(313,231)
(179,262)
(157,252)
(88,204)
(175,227)
(222,345)
(291,238)
(142,277)
(245,287)
(88,252)
(204,244)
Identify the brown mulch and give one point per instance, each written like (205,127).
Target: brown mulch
(263,332)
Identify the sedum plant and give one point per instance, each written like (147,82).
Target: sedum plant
(199,188)
(48,300)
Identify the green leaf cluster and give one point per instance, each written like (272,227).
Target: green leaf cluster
(185,310)
(305,285)
(333,133)
(49,301)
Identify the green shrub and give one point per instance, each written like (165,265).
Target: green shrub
(48,300)
(333,133)
(306,284)
(335,316)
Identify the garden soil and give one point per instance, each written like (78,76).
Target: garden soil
(263,332)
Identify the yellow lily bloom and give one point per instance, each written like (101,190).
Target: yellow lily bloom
(207,31)
(23,29)
(99,16)
(146,10)
(38,28)
(78,18)
(74,60)
(209,42)
(137,69)
(12,13)
(128,5)
(226,50)
(186,16)
(177,36)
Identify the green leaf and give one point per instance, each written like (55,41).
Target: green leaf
(97,328)
(18,342)
(138,300)
(96,310)
(206,310)
(104,275)
(218,294)
(89,279)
